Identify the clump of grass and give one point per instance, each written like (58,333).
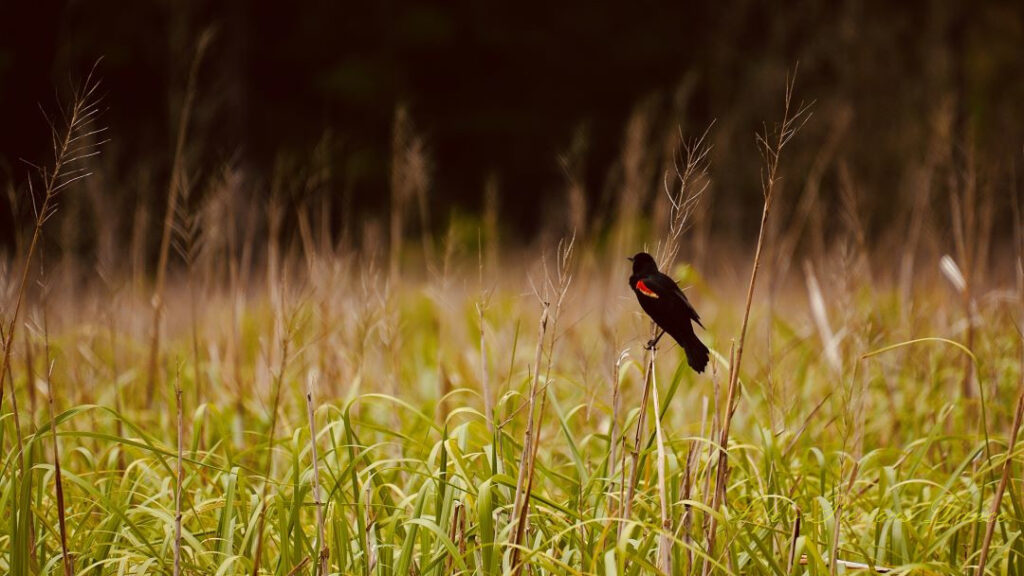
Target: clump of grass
(554,287)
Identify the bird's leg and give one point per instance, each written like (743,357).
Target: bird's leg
(652,343)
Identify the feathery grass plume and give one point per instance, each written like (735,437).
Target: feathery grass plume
(75,140)
(771,143)
(637,173)
(806,220)
(684,189)
(667,143)
(189,242)
(849,194)
(573,163)
(178,181)
(218,213)
(420,166)
(410,179)
(187,236)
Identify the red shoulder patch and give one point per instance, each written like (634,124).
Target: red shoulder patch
(643,289)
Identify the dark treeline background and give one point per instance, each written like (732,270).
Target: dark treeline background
(499,92)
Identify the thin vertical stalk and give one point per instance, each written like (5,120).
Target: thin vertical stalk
(791,562)
(519,507)
(690,475)
(321,545)
(176,182)
(484,380)
(771,146)
(613,433)
(180,476)
(481,308)
(115,374)
(68,149)
(524,484)
(834,546)
(997,499)
(67,562)
(665,539)
(634,454)
(286,325)
(69,567)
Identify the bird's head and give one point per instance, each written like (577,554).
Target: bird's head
(643,263)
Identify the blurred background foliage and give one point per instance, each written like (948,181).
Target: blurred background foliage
(524,99)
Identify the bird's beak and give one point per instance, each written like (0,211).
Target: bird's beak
(630,258)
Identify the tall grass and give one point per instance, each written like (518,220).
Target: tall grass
(359,422)
(398,486)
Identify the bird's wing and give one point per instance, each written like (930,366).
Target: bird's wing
(665,285)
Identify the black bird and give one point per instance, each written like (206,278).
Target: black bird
(666,304)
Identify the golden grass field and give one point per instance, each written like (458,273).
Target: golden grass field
(458,406)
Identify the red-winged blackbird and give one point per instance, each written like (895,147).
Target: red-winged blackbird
(666,304)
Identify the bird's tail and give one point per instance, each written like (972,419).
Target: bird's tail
(696,352)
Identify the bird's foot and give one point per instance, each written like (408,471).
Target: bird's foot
(652,344)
